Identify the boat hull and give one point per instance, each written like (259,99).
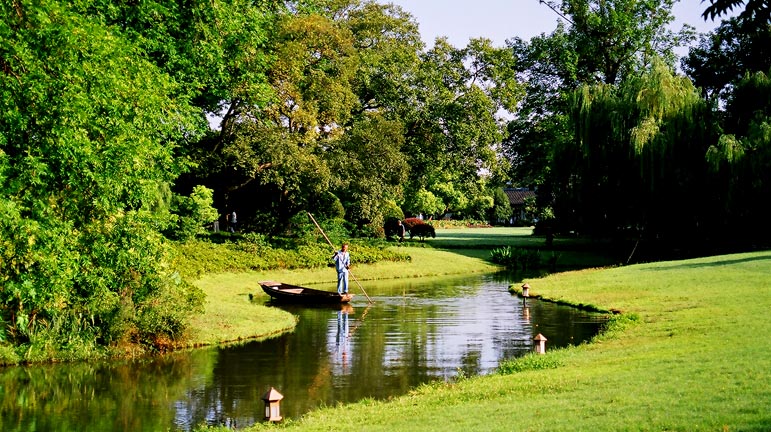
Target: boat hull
(296,294)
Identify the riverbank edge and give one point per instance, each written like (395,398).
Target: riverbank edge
(683,360)
(235,311)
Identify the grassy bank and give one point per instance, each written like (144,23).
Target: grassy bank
(565,252)
(230,316)
(696,357)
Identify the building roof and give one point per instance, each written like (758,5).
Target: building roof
(517,195)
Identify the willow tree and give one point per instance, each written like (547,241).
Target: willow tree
(742,158)
(638,160)
(598,41)
(88,135)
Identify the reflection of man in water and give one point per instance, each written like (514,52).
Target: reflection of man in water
(342,334)
(342,328)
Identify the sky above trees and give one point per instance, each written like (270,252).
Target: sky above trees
(499,20)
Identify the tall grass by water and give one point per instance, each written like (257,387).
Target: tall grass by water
(688,352)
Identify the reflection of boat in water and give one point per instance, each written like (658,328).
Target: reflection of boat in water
(296,294)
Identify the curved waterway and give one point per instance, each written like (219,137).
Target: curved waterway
(416,331)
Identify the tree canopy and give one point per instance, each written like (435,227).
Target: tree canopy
(127,125)
(89,131)
(756,11)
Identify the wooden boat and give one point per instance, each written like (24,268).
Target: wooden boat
(296,294)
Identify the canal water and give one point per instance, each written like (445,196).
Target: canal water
(416,331)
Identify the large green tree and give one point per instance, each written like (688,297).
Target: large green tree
(611,39)
(89,129)
(725,55)
(267,159)
(453,122)
(603,41)
(369,170)
(369,167)
(637,164)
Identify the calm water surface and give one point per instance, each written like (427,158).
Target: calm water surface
(416,331)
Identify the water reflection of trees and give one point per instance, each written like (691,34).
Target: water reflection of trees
(414,333)
(92,396)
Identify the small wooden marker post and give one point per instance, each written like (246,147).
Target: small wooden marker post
(272,399)
(525,292)
(540,348)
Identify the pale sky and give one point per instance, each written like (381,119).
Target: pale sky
(498,20)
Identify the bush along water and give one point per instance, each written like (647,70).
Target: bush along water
(522,259)
(254,253)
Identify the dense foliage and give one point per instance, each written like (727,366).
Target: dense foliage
(253,252)
(753,11)
(630,141)
(89,128)
(127,125)
(620,145)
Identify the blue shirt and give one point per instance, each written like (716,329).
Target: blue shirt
(342,261)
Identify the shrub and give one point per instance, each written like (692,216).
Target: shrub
(391,228)
(8,355)
(193,213)
(517,258)
(422,230)
(457,223)
(162,317)
(411,222)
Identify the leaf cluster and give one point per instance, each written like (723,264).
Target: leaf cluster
(89,132)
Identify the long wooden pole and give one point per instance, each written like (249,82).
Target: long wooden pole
(335,249)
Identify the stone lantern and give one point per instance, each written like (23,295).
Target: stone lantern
(272,400)
(540,340)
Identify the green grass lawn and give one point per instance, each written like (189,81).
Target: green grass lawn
(690,350)
(570,252)
(696,357)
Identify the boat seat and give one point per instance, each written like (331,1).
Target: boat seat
(293,290)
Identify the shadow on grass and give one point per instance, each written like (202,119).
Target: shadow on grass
(563,254)
(715,263)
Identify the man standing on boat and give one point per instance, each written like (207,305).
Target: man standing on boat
(342,263)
